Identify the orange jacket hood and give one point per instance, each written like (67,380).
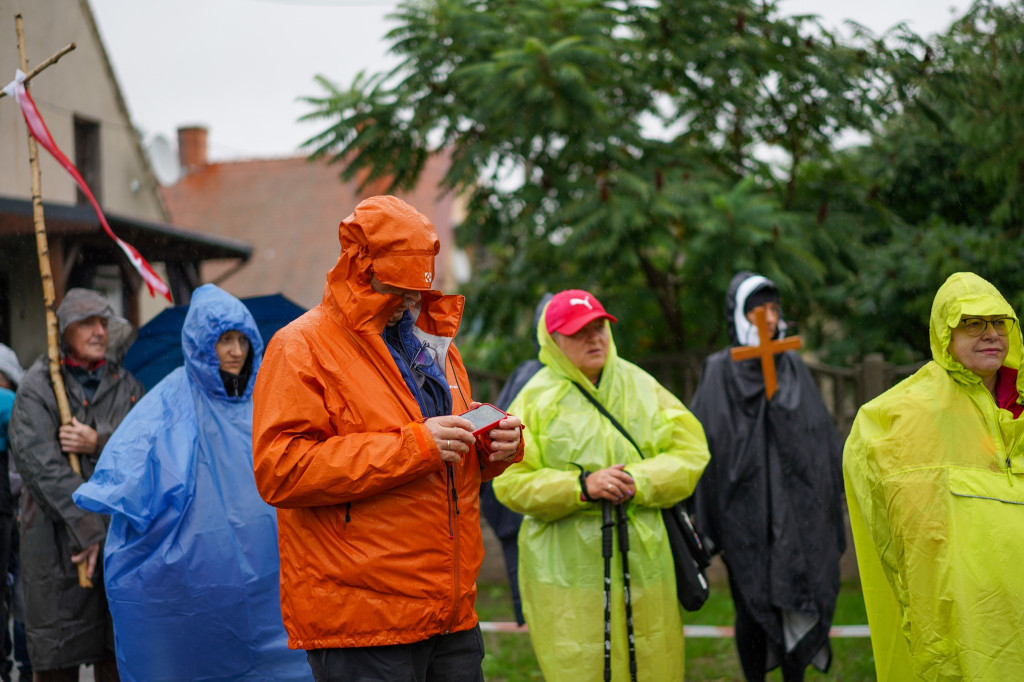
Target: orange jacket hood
(389,238)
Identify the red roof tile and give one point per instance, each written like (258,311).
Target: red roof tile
(289,210)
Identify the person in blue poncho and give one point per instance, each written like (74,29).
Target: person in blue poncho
(191,563)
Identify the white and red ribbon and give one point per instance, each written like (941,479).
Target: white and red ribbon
(37,127)
(714,631)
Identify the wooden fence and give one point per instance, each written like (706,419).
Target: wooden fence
(844,389)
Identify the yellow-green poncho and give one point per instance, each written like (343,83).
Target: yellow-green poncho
(935,484)
(561,571)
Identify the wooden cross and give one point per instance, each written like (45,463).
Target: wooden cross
(766,350)
(43,250)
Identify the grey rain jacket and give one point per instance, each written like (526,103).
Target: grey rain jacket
(66,625)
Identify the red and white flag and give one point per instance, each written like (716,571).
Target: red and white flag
(37,127)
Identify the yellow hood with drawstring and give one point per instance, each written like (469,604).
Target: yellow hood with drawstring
(934,475)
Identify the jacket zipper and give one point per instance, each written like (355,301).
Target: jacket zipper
(451,496)
(453,533)
(448,497)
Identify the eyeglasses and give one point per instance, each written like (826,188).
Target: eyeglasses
(976,326)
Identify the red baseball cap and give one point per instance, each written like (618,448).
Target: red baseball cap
(571,310)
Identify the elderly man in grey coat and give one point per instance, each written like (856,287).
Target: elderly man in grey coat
(67,625)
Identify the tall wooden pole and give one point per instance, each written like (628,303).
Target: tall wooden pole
(49,298)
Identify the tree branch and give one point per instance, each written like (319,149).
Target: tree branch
(659,283)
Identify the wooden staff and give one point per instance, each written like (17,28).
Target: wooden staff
(49,297)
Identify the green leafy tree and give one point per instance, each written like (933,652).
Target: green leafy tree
(939,189)
(648,150)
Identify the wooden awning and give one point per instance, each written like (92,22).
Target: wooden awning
(157,242)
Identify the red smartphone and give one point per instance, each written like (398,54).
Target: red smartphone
(484,418)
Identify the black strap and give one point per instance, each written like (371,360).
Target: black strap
(609,417)
(583,483)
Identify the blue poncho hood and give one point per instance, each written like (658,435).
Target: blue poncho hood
(191,564)
(213,312)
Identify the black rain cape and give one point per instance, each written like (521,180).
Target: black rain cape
(770,499)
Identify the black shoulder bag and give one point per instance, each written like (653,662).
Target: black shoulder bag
(688,553)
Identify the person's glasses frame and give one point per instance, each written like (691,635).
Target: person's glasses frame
(976,326)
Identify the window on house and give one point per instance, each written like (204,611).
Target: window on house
(110,284)
(87,156)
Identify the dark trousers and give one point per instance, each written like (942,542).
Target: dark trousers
(105,670)
(7,533)
(16,607)
(752,646)
(455,657)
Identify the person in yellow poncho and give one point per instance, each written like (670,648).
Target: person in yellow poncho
(934,475)
(576,459)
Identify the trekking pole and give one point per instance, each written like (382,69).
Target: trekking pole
(621,522)
(606,551)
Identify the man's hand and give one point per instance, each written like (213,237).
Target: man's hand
(89,556)
(505,438)
(453,436)
(78,438)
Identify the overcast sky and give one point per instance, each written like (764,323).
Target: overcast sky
(238,66)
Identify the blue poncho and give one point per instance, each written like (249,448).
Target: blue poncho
(191,562)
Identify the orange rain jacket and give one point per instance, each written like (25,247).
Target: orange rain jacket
(377,545)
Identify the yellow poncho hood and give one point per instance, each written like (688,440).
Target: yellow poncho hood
(967,295)
(934,478)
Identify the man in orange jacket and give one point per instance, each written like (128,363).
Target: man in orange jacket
(376,480)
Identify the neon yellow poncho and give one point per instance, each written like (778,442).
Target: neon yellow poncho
(935,484)
(561,571)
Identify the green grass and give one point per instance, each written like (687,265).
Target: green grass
(510,657)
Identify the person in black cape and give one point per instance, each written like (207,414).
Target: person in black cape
(770,501)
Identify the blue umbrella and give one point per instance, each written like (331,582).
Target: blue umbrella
(157,350)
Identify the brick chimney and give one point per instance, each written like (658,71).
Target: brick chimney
(192,148)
